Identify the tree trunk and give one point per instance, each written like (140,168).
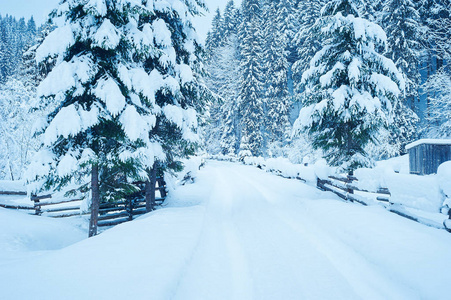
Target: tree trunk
(94,201)
(150,189)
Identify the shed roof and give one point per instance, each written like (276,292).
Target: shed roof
(429,141)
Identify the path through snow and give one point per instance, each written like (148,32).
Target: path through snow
(241,233)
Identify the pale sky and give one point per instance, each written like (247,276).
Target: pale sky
(40,9)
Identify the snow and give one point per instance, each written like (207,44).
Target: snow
(23,237)
(444,178)
(162,35)
(12,186)
(67,165)
(107,36)
(236,233)
(136,126)
(421,192)
(56,43)
(67,122)
(67,75)
(429,141)
(109,92)
(98,7)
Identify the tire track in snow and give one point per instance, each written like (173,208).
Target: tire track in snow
(340,254)
(218,259)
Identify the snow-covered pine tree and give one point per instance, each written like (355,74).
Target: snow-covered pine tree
(222,132)
(250,94)
(307,41)
(125,89)
(350,87)
(402,25)
(215,35)
(230,20)
(276,75)
(401,22)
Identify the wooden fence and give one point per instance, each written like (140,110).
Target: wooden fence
(110,214)
(347,189)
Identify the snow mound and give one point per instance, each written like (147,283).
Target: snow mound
(22,234)
(444,177)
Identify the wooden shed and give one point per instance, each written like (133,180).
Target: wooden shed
(426,155)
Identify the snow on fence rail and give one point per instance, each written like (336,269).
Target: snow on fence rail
(110,213)
(426,208)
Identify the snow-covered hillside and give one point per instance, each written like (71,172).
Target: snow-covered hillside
(236,233)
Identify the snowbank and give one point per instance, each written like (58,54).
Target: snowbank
(23,235)
(444,178)
(420,192)
(12,186)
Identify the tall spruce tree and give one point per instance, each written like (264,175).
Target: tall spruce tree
(276,74)
(306,40)
(126,93)
(350,87)
(215,35)
(402,25)
(251,102)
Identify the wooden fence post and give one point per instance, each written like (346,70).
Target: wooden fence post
(95,200)
(161,184)
(150,189)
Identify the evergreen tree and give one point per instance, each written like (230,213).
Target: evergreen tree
(127,91)
(231,20)
(250,94)
(401,23)
(276,79)
(306,40)
(350,87)
(215,35)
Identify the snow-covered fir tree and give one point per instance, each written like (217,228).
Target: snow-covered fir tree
(126,93)
(216,34)
(276,74)
(307,41)
(350,87)
(401,23)
(251,87)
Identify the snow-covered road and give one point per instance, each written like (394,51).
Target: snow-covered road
(241,233)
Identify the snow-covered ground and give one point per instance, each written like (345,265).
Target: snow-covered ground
(236,233)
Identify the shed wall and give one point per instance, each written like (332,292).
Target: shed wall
(425,159)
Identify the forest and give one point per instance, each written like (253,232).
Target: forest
(350,81)
(269,59)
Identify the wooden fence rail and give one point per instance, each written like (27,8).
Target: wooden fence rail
(345,188)
(110,213)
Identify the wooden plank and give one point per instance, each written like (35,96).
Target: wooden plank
(342,179)
(383,199)
(61,209)
(16,206)
(65,215)
(113,222)
(59,202)
(113,216)
(36,198)
(112,204)
(106,210)
(8,193)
